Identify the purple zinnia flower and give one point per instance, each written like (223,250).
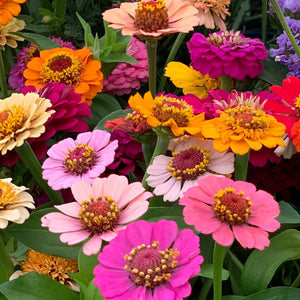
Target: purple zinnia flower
(149,261)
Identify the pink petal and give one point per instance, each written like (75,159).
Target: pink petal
(161,292)
(81,191)
(115,186)
(71,209)
(108,235)
(243,236)
(141,234)
(93,246)
(133,211)
(224,235)
(165,232)
(265,223)
(72,238)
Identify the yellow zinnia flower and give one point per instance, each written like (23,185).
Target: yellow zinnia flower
(243,128)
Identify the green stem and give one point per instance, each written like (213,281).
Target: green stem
(3,83)
(152,51)
(226,83)
(205,289)
(241,166)
(6,264)
(31,162)
(236,261)
(296,282)
(218,266)
(147,152)
(171,56)
(264,21)
(285,26)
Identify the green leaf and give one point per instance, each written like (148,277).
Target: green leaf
(261,265)
(59,8)
(34,286)
(6,265)
(88,36)
(288,215)
(92,292)
(119,57)
(207,270)
(81,280)
(39,238)
(114,115)
(110,35)
(87,264)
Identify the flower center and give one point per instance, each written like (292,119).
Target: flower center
(11,120)
(100,215)
(7,195)
(61,67)
(189,164)
(226,38)
(149,266)
(32,51)
(297,105)
(232,207)
(80,159)
(168,107)
(151,16)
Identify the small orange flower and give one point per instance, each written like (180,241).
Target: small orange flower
(8,9)
(64,65)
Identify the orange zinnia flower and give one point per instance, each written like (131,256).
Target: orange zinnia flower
(64,65)
(8,9)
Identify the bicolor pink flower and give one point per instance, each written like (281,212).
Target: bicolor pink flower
(149,261)
(227,53)
(191,160)
(231,210)
(101,210)
(85,158)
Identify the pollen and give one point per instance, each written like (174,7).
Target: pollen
(8,195)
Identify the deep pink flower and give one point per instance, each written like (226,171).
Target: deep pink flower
(227,53)
(231,210)
(144,246)
(101,210)
(82,159)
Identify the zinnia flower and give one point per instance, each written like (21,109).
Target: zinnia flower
(84,158)
(64,65)
(22,117)
(152,18)
(9,39)
(191,160)
(231,209)
(227,53)
(190,80)
(101,210)
(9,9)
(14,202)
(167,111)
(149,261)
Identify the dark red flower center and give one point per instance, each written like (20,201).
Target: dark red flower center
(4,115)
(60,64)
(244,119)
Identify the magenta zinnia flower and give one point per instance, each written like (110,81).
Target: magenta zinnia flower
(227,53)
(149,261)
(231,209)
(85,158)
(101,210)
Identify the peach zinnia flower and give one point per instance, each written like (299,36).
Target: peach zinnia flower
(8,9)
(9,39)
(152,18)
(65,65)
(22,117)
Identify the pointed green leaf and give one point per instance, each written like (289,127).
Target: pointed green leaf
(207,270)
(87,264)
(288,215)
(88,36)
(92,292)
(6,264)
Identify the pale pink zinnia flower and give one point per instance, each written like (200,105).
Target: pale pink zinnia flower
(101,210)
(191,160)
(231,210)
(84,158)
(152,18)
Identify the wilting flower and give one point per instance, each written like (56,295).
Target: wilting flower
(231,210)
(22,117)
(227,53)
(101,210)
(149,261)
(167,111)
(9,39)
(128,76)
(84,158)
(64,65)
(190,80)
(191,160)
(9,9)
(152,18)
(14,202)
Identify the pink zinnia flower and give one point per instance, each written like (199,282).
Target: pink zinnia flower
(231,209)
(149,261)
(227,53)
(84,158)
(126,77)
(101,210)
(191,159)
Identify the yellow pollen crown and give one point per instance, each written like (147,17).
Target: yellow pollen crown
(12,119)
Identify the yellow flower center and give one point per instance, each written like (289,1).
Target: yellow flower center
(7,195)
(228,37)
(100,215)
(297,105)
(151,16)
(168,107)
(61,67)
(137,118)
(232,207)
(11,120)
(188,164)
(149,266)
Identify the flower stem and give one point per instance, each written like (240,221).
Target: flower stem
(264,21)
(285,26)
(241,166)
(205,289)
(3,83)
(31,162)
(151,51)
(171,56)
(296,282)
(6,264)
(218,266)
(226,83)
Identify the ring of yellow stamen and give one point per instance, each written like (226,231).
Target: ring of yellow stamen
(8,195)
(232,207)
(148,266)
(297,105)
